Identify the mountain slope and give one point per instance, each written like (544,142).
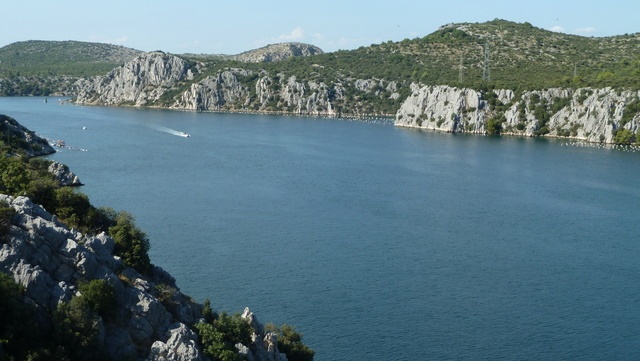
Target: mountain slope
(77,283)
(519,56)
(74,58)
(277,52)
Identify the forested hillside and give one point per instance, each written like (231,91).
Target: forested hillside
(61,58)
(518,56)
(494,54)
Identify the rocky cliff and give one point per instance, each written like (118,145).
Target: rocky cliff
(63,175)
(168,81)
(137,82)
(277,52)
(593,115)
(17,137)
(153,319)
(162,80)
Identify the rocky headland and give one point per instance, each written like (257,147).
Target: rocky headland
(592,115)
(17,137)
(277,52)
(163,80)
(168,81)
(82,293)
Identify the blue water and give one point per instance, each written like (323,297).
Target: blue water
(378,243)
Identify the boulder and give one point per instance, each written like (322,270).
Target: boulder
(181,345)
(63,175)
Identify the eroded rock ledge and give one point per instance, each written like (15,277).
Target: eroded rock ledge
(593,115)
(49,261)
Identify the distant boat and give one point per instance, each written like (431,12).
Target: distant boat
(45,100)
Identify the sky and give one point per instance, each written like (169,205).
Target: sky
(231,27)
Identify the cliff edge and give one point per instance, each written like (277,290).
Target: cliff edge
(152,319)
(89,291)
(593,115)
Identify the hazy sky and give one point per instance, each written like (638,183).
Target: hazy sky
(231,27)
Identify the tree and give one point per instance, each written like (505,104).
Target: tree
(14,178)
(219,337)
(494,126)
(6,213)
(71,207)
(131,244)
(76,331)
(624,136)
(99,296)
(290,343)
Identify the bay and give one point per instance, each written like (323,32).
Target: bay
(376,242)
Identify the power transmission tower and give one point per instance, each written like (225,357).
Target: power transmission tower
(485,69)
(461,68)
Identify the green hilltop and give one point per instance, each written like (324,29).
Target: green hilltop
(518,56)
(493,54)
(62,58)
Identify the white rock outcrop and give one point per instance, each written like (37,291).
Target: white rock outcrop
(63,175)
(137,82)
(587,114)
(15,133)
(48,260)
(144,81)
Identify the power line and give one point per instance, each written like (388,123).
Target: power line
(485,69)
(460,75)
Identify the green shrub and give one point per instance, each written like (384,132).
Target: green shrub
(14,179)
(290,343)
(6,213)
(631,109)
(494,126)
(131,243)
(76,331)
(99,296)
(218,338)
(624,136)
(20,336)
(71,207)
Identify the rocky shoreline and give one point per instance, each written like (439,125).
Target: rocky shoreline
(160,80)
(591,115)
(150,319)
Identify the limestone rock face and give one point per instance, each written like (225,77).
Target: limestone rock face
(226,91)
(168,81)
(215,92)
(264,345)
(63,175)
(278,52)
(49,261)
(20,137)
(137,82)
(181,345)
(586,114)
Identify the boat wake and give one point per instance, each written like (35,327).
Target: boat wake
(170,131)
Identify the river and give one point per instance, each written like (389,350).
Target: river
(376,242)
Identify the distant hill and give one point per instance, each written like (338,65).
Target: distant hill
(57,58)
(518,55)
(278,52)
(493,54)
(265,54)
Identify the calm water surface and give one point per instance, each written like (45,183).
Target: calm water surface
(378,243)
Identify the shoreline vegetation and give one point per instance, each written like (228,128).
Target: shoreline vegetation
(294,79)
(77,283)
